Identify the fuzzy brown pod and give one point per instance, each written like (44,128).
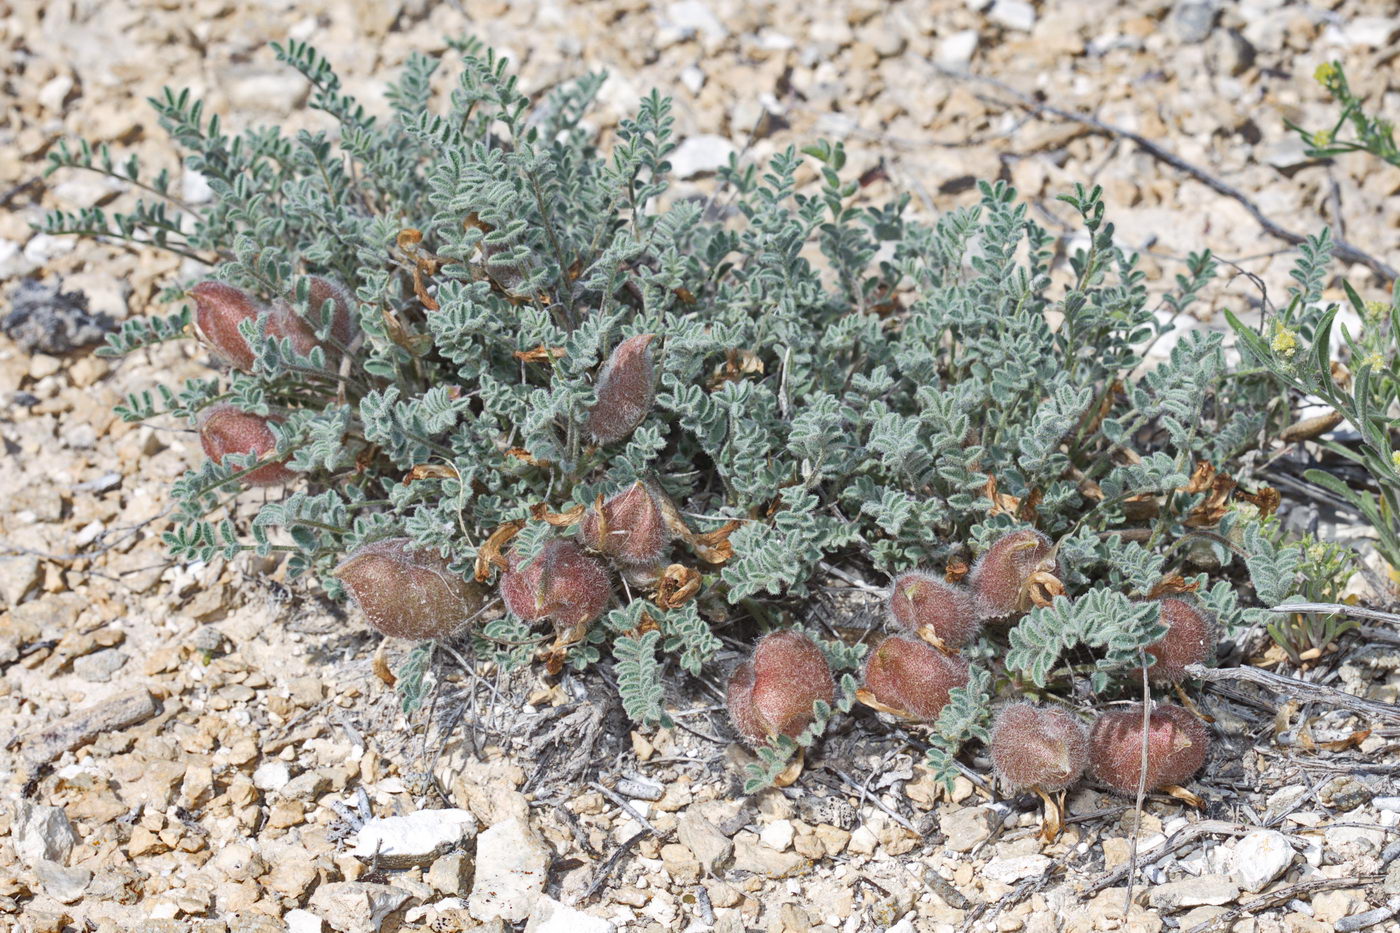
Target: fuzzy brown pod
(1190,639)
(772,692)
(561,583)
(219,309)
(1177,743)
(629,527)
(625,391)
(1035,747)
(226,429)
(909,678)
(408,592)
(1005,578)
(943,614)
(284,321)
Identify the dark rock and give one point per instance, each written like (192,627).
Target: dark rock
(45,319)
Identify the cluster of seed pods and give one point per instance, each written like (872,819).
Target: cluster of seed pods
(1046,750)
(911,672)
(567,582)
(220,308)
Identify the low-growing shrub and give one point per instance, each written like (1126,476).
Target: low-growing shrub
(473,332)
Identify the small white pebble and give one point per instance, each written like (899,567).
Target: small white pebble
(778,834)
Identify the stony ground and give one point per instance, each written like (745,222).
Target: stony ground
(204,748)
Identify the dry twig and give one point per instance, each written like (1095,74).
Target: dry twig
(1293,686)
(1183,836)
(1342,249)
(1281,896)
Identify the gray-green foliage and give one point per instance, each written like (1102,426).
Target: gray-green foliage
(861,432)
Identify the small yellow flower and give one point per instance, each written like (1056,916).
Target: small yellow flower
(1395,458)
(1285,341)
(1375,310)
(1321,138)
(1325,73)
(1373,360)
(1317,553)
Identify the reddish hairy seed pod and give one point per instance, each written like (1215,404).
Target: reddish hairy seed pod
(926,605)
(225,429)
(1190,639)
(629,528)
(344,327)
(284,321)
(1177,743)
(772,693)
(1034,747)
(1000,576)
(908,675)
(219,308)
(626,389)
(561,583)
(406,592)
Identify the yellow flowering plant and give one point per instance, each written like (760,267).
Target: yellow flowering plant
(1297,349)
(1296,345)
(1372,134)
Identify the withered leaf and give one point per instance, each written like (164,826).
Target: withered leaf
(490,553)
(421,290)
(1171,584)
(541,513)
(647,623)
(540,354)
(956,569)
(737,364)
(1266,500)
(1352,741)
(520,453)
(1001,503)
(677,586)
(431,471)
(712,546)
(1042,587)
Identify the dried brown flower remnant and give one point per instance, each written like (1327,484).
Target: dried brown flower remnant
(407,592)
(629,527)
(772,693)
(1177,744)
(910,678)
(1035,747)
(626,390)
(1003,578)
(938,612)
(225,429)
(562,584)
(1190,639)
(219,309)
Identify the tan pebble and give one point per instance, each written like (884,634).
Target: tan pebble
(641,746)
(722,893)
(808,844)
(833,839)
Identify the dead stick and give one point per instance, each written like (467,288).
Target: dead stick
(1281,896)
(1292,686)
(1183,836)
(1342,249)
(1359,612)
(1141,789)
